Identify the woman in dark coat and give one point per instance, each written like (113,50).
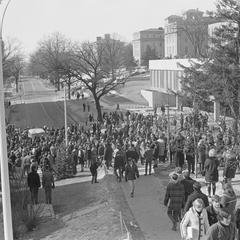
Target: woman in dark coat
(211,171)
(131,174)
(230,166)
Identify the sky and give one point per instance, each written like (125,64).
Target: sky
(30,21)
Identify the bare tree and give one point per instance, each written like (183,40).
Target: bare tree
(96,65)
(50,56)
(13,60)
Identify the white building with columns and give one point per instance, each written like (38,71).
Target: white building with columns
(165,81)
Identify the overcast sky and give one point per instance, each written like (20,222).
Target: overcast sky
(31,20)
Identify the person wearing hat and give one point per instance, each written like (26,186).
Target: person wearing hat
(211,171)
(224,229)
(213,209)
(174,199)
(197,193)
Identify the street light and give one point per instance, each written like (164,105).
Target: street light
(65,117)
(6,203)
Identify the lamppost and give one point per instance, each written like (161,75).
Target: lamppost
(6,203)
(65,117)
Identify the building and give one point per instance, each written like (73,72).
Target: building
(148,44)
(165,82)
(186,36)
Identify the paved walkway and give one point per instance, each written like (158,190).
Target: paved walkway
(148,209)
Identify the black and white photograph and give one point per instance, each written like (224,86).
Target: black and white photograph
(119,120)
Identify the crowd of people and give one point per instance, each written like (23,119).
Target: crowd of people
(124,139)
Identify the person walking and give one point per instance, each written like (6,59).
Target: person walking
(108,154)
(211,172)
(194,224)
(197,193)
(34,184)
(178,146)
(229,199)
(119,163)
(174,199)
(202,148)
(224,229)
(84,107)
(230,166)
(213,209)
(187,182)
(131,173)
(48,184)
(190,153)
(148,155)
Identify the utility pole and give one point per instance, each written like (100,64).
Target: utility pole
(6,200)
(65,117)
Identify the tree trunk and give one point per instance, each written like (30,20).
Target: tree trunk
(98,107)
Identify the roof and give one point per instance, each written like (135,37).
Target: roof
(170,64)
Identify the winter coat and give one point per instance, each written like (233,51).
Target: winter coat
(131,172)
(197,222)
(188,186)
(148,155)
(108,152)
(33,180)
(221,232)
(212,215)
(47,179)
(230,168)
(174,196)
(132,153)
(229,201)
(196,194)
(119,160)
(211,169)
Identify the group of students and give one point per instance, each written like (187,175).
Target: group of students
(201,217)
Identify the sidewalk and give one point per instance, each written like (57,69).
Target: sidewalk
(148,209)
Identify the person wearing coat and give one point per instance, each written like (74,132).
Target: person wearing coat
(229,199)
(148,155)
(197,193)
(108,154)
(213,209)
(174,199)
(34,184)
(187,182)
(230,166)
(211,172)
(131,173)
(194,224)
(224,229)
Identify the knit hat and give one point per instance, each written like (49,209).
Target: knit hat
(197,185)
(215,198)
(212,153)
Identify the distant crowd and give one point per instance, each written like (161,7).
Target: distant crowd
(123,141)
